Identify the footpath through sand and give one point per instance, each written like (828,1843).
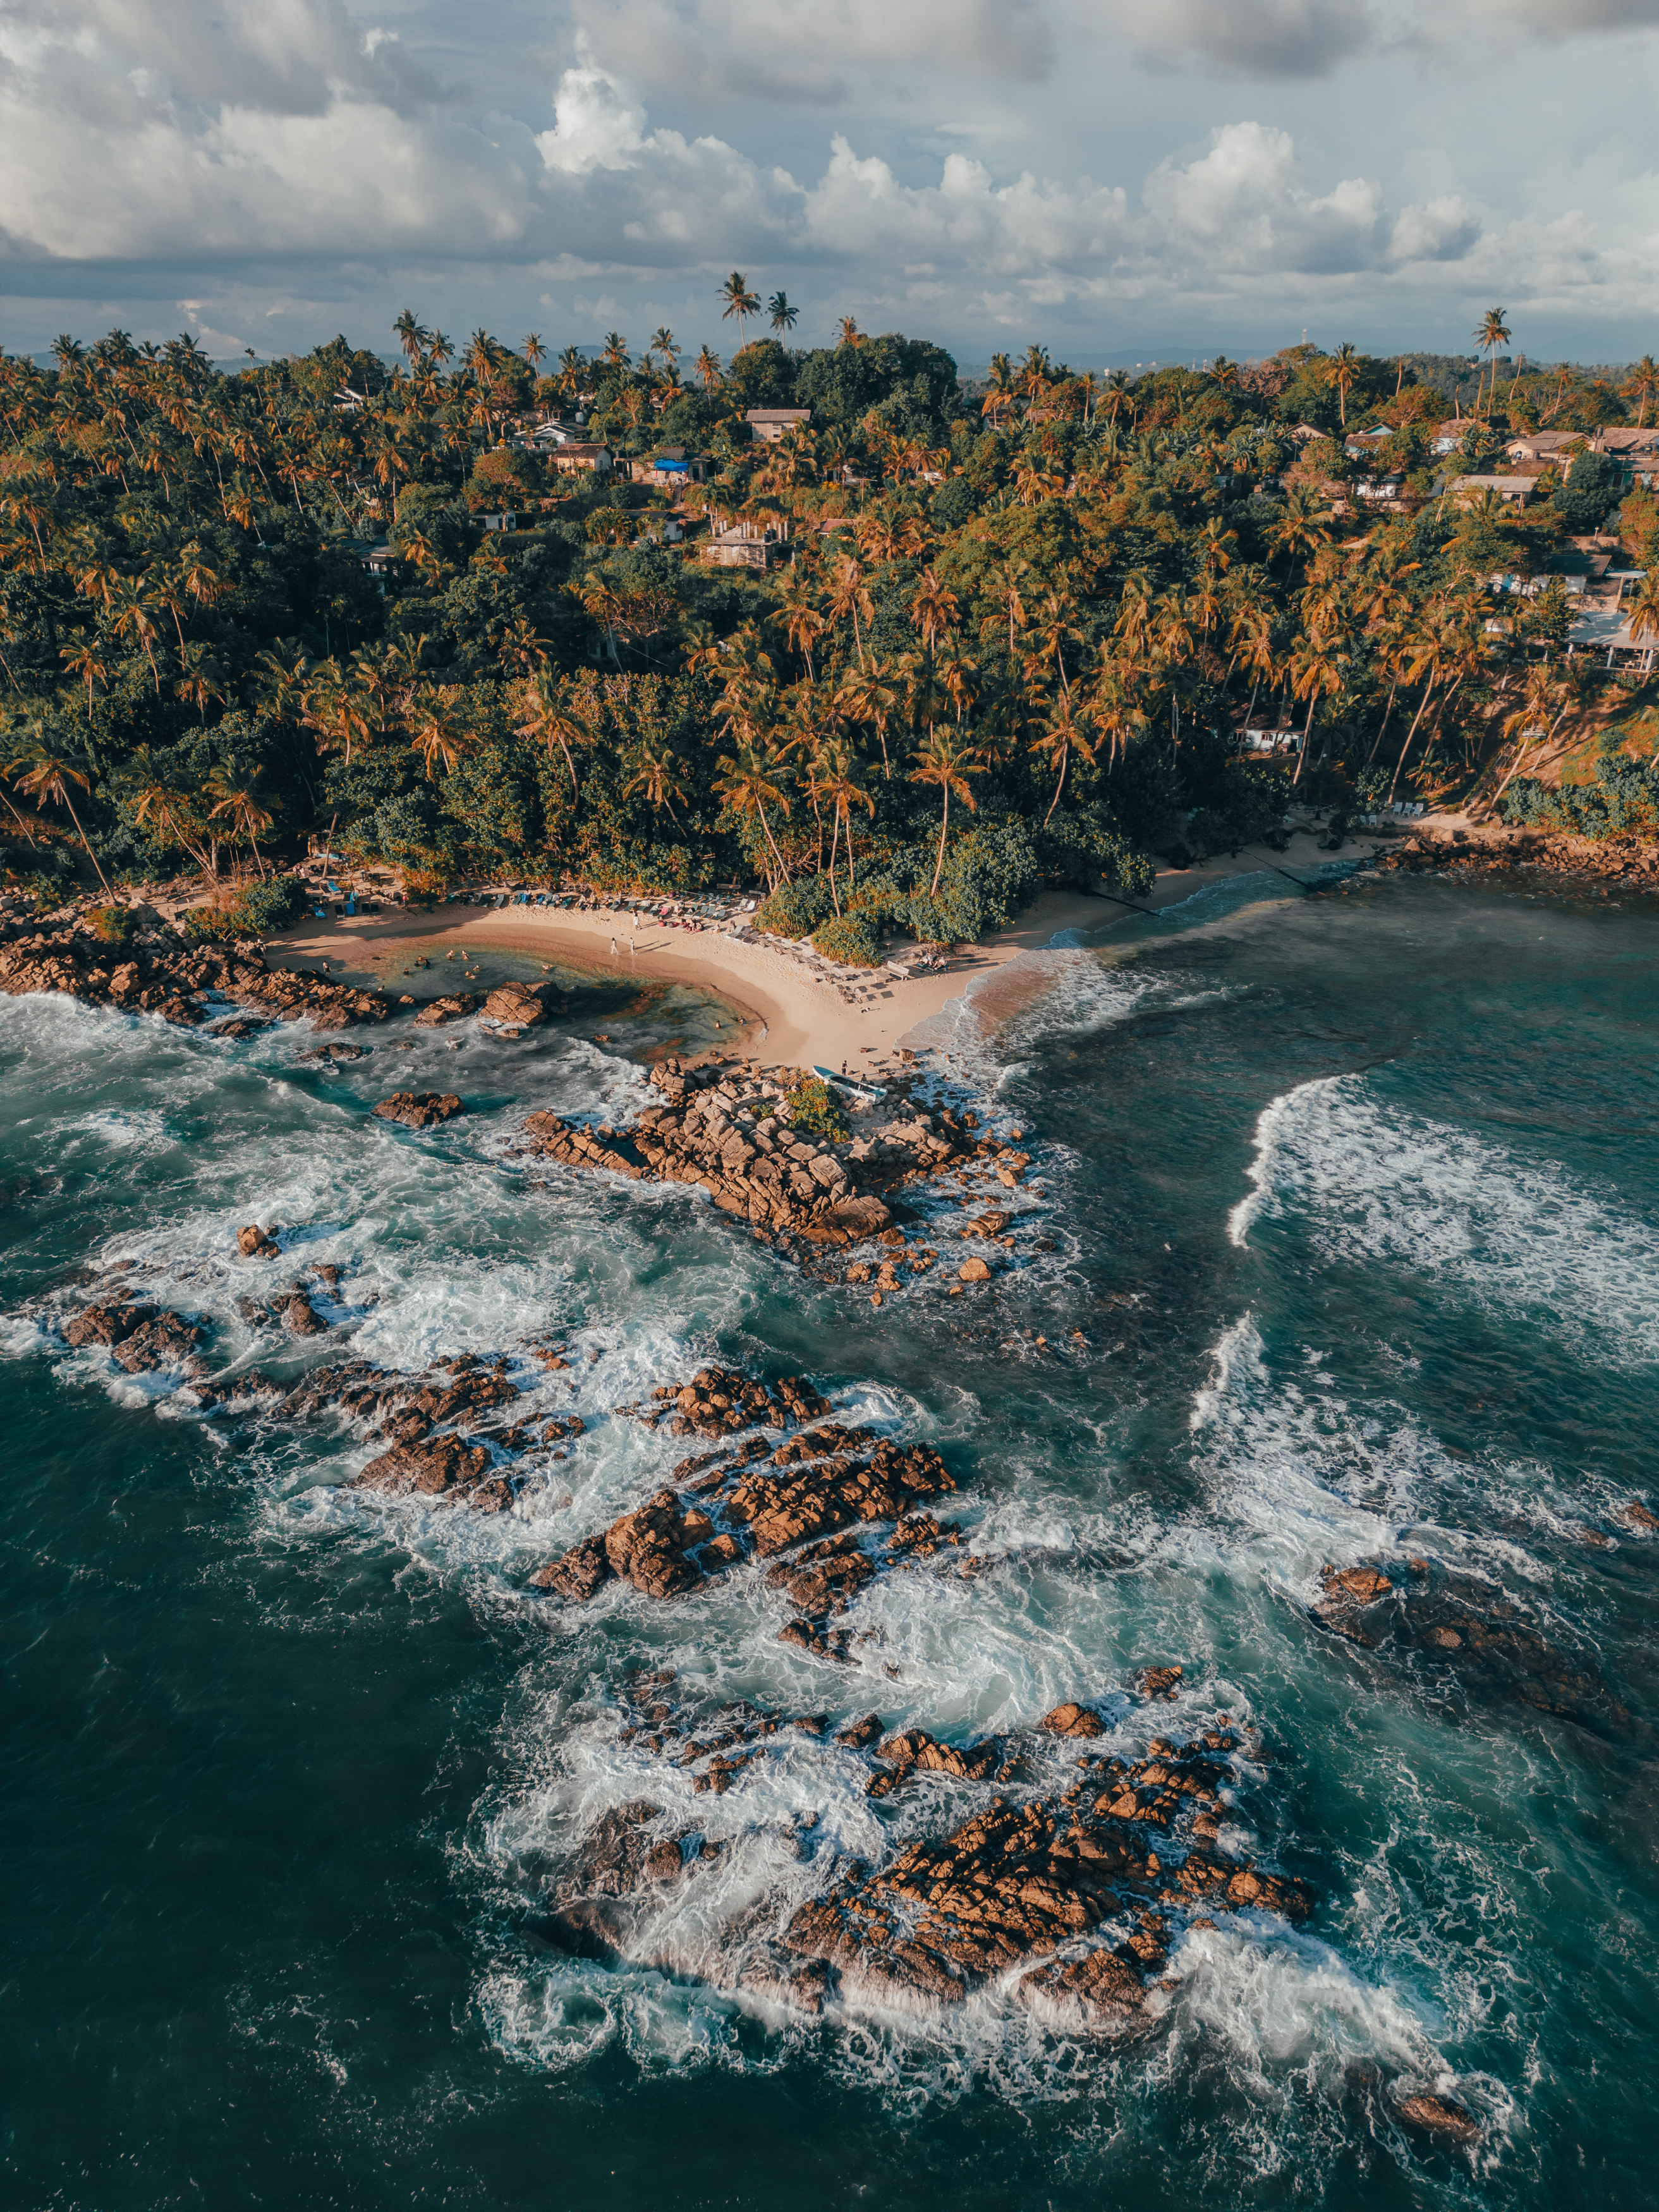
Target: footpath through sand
(798,1016)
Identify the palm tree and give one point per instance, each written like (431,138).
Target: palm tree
(663,342)
(549,719)
(848,333)
(235,797)
(659,778)
(782,316)
(1342,373)
(933,609)
(436,737)
(1492,333)
(838,777)
(615,352)
(412,336)
(944,761)
(739,300)
(1642,383)
(871,698)
(709,370)
(749,784)
(83,659)
(43,776)
(533,350)
(850,595)
(1316,673)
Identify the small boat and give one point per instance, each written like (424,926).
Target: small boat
(847,1083)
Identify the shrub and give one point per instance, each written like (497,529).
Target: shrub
(113,924)
(814,1107)
(850,938)
(795,909)
(276,904)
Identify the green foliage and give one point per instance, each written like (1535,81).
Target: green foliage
(262,908)
(796,909)
(1583,503)
(1623,796)
(814,1108)
(112,925)
(850,938)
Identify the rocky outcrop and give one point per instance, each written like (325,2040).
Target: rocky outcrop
(446,1468)
(139,1337)
(419,1109)
(1414,1608)
(175,981)
(1438,2116)
(436,1011)
(1068,1899)
(724,1128)
(760,1502)
(256,1243)
(517,1005)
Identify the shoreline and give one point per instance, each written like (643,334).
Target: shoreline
(794,1013)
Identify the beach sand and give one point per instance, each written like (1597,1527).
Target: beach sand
(796,1014)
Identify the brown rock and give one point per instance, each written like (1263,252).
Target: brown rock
(303,1316)
(973,1271)
(1439,2116)
(1073,1720)
(446,1010)
(444,1467)
(419,1109)
(578,1573)
(255,1244)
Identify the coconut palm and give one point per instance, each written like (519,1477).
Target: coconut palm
(1493,332)
(436,736)
(234,796)
(739,300)
(549,718)
(46,777)
(749,782)
(614,352)
(1643,383)
(709,373)
(944,762)
(1342,373)
(850,595)
(533,350)
(848,333)
(659,777)
(933,609)
(781,316)
(869,697)
(838,776)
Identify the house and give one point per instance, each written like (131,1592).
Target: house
(505,521)
(576,458)
(1542,445)
(1467,490)
(1450,435)
(745,545)
(1391,486)
(768,424)
(672,468)
(1305,431)
(1621,438)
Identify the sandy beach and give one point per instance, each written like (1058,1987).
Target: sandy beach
(797,1015)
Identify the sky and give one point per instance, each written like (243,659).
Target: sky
(1115,179)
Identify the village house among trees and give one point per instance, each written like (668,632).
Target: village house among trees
(895,646)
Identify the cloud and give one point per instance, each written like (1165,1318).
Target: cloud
(724,51)
(277,167)
(1250,38)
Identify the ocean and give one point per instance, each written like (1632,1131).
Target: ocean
(1351,1206)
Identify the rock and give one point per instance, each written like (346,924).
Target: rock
(303,1316)
(444,1467)
(648,1548)
(1438,2116)
(256,1243)
(973,1271)
(1635,1515)
(438,1011)
(521,1004)
(578,1572)
(1072,1721)
(110,1324)
(419,1109)
(1158,1681)
(859,1735)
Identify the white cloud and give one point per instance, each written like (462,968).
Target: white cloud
(296,154)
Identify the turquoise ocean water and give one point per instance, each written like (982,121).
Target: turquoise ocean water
(1355,1201)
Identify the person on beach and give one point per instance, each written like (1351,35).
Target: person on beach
(613,948)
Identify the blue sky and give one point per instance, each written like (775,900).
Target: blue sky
(1112,178)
